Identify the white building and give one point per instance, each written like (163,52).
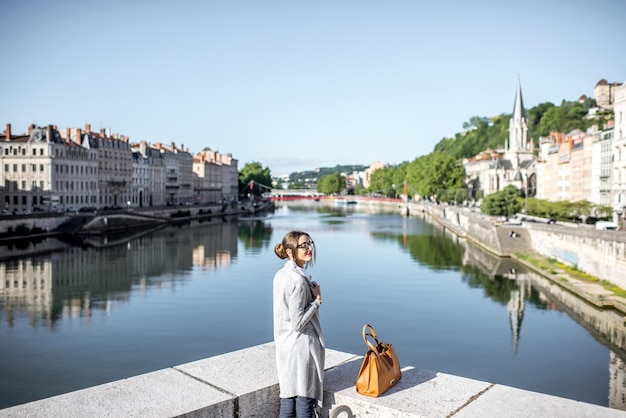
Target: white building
(178,174)
(41,170)
(601,167)
(155,194)
(618,189)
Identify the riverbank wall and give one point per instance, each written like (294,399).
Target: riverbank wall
(23,235)
(597,252)
(243,384)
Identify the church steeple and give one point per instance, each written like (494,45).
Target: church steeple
(518,128)
(518,106)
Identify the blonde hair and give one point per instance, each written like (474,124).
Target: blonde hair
(290,242)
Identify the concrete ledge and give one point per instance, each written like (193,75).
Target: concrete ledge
(158,394)
(249,376)
(423,393)
(243,384)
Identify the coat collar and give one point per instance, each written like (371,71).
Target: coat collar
(293,266)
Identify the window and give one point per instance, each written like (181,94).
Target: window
(41,168)
(6,168)
(15,168)
(34,167)
(23,168)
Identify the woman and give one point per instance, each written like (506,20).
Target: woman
(297,331)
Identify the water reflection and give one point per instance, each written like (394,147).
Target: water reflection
(255,234)
(88,277)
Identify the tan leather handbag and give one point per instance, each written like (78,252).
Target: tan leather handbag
(380,369)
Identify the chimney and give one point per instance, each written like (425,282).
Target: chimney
(79,135)
(88,128)
(103,132)
(49,133)
(68,134)
(7,132)
(30,129)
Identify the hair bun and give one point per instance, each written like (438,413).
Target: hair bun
(280,251)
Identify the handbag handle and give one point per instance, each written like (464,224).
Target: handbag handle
(372,334)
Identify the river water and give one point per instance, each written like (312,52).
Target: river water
(101,310)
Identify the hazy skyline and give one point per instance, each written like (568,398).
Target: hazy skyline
(297,85)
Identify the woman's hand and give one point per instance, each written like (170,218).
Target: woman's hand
(317,291)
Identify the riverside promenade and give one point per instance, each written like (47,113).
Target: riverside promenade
(244,384)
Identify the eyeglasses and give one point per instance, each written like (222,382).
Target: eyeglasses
(306,245)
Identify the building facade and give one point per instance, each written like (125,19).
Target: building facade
(618,189)
(605,93)
(55,170)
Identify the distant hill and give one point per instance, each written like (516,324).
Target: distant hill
(304,176)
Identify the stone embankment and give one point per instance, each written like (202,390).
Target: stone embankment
(47,232)
(601,254)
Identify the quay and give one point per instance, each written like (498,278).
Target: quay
(244,384)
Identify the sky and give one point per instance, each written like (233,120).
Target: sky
(295,85)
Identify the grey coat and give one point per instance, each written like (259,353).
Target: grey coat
(298,338)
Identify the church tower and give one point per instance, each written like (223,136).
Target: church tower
(517,148)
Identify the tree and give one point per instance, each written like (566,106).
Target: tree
(434,173)
(254,179)
(381,181)
(506,202)
(399,177)
(331,184)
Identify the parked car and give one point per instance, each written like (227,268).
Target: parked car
(606,226)
(552,221)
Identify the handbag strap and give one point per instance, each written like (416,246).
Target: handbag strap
(372,334)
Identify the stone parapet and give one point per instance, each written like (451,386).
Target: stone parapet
(244,384)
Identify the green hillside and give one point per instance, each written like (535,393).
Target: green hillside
(482,133)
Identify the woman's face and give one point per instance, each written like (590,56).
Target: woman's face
(305,248)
